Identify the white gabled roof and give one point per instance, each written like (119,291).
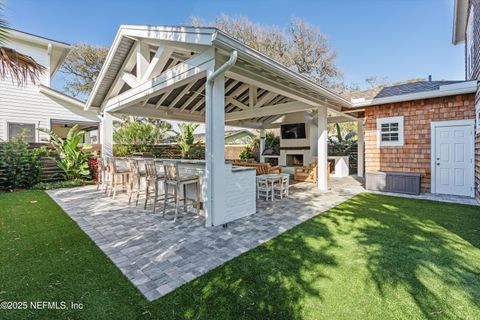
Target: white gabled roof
(200,37)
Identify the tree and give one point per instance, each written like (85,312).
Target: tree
(301,47)
(18,66)
(141,131)
(82,66)
(186,139)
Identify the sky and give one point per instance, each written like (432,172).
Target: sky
(397,39)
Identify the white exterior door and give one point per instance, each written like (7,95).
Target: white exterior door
(452,158)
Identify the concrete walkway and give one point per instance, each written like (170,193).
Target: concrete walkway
(158,256)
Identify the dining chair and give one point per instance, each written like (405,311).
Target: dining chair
(263,188)
(280,187)
(176,182)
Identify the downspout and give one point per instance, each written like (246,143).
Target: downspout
(209,94)
(224,67)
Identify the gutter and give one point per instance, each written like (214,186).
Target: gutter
(444,91)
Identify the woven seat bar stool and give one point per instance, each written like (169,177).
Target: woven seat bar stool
(135,181)
(176,182)
(153,179)
(119,174)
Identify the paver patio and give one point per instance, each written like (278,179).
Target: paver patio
(158,256)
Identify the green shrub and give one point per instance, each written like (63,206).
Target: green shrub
(20,164)
(73,157)
(246,153)
(186,139)
(59,184)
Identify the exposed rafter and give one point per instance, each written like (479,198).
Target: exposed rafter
(180,95)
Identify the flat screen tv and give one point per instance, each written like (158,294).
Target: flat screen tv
(293,131)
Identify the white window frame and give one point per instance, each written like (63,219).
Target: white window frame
(400,141)
(469,42)
(19,121)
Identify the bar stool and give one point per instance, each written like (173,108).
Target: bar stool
(135,181)
(107,175)
(119,173)
(153,178)
(100,172)
(174,180)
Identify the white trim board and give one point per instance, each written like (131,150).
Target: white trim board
(450,123)
(444,91)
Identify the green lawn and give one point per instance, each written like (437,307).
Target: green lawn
(373,257)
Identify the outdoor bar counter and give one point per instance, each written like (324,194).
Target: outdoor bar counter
(240,187)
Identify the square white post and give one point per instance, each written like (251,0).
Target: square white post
(262,145)
(322,149)
(361,149)
(215,152)
(106,134)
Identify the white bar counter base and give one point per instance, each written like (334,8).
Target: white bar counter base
(239,193)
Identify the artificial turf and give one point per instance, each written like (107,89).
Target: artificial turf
(372,257)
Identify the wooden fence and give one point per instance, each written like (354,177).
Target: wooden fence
(173,151)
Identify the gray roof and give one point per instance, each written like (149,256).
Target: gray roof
(406,88)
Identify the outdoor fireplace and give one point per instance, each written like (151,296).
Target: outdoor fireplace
(295,160)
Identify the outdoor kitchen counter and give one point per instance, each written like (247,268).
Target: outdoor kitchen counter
(239,192)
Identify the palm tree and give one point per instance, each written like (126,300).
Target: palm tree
(19,66)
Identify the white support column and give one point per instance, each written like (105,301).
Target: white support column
(262,145)
(322,149)
(361,149)
(215,152)
(106,134)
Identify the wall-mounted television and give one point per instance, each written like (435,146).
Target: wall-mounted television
(293,131)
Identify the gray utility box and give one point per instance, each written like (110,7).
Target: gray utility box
(399,182)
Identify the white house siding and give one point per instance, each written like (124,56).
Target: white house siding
(28,105)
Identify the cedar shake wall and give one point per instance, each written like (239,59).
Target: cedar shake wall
(477,165)
(414,156)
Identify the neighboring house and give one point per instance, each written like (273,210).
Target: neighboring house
(36,106)
(425,127)
(232,137)
(466,29)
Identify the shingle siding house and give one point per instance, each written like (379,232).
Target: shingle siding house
(466,30)
(425,128)
(32,106)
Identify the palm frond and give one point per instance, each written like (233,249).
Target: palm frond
(19,66)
